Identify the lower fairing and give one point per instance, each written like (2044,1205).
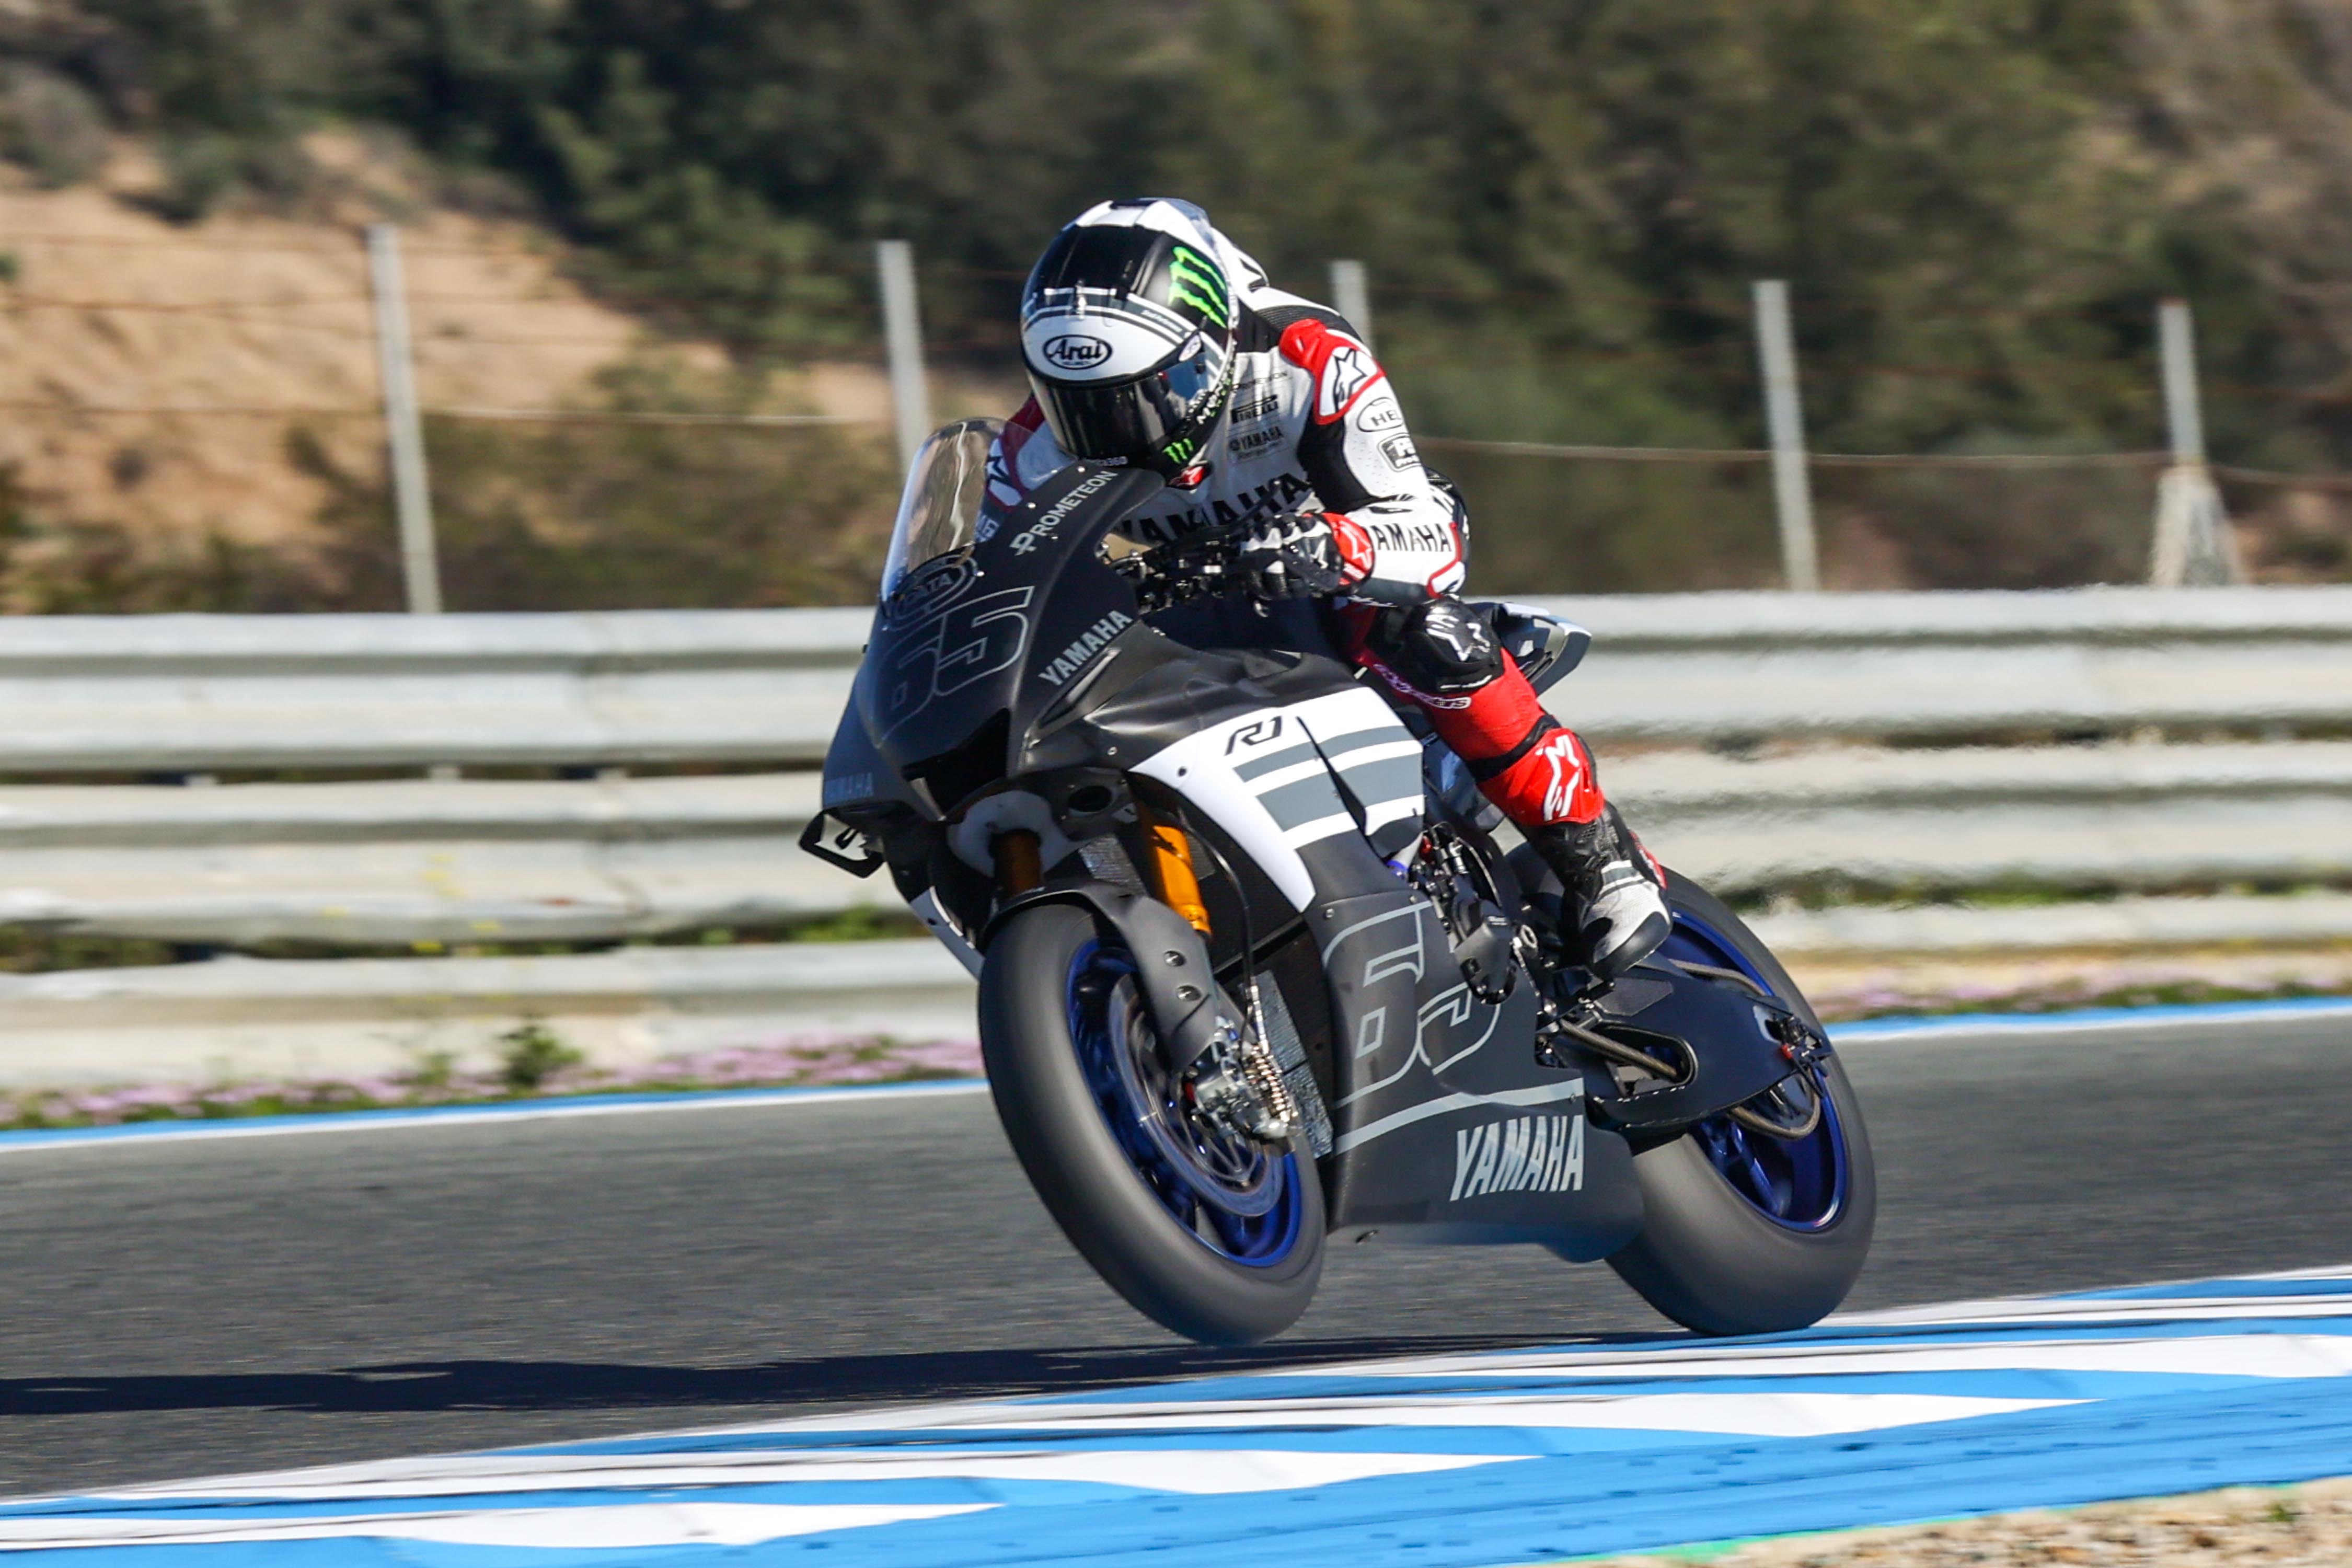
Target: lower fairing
(1446,1128)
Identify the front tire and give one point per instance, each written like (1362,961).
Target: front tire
(1217,1238)
(1745,1234)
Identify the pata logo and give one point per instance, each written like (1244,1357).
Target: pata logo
(1075,350)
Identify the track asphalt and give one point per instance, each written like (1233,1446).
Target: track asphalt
(188,1308)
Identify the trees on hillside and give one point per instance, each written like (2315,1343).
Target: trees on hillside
(1563,201)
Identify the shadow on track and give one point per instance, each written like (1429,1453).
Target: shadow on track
(519,1386)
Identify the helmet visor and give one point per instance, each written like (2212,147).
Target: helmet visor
(1138,417)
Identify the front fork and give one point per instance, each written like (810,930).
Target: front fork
(1236,1082)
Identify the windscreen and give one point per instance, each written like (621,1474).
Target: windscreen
(941,509)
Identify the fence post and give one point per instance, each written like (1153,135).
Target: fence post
(1351,296)
(412,502)
(2194,545)
(1793,491)
(902,329)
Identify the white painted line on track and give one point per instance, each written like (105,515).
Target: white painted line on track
(35,1142)
(638,1525)
(1200,1472)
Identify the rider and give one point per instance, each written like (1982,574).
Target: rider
(1151,340)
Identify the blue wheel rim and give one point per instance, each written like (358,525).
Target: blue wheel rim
(1230,1194)
(1797,1183)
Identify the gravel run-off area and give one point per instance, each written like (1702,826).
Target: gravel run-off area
(2307,1526)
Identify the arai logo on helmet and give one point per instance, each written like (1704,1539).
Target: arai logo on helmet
(1075,350)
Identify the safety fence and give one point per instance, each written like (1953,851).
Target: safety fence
(553,448)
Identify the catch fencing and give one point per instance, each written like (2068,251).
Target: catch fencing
(543,448)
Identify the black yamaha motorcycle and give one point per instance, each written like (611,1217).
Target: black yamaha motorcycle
(1255,971)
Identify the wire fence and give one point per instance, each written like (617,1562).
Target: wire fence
(210,435)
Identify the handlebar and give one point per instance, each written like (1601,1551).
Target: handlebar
(1201,567)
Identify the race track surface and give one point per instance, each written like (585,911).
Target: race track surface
(200,1307)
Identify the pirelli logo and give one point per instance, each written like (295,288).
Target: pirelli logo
(1525,1154)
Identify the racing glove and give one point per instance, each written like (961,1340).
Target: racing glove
(1294,556)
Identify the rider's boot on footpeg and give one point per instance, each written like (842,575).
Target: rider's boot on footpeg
(1613,908)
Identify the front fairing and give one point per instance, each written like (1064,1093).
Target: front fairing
(975,644)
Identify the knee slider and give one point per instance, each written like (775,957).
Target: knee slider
(1441,645)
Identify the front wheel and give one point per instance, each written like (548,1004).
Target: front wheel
(1216,1235)
(1745,1232)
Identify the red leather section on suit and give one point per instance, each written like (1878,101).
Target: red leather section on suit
(1555,782)
(1355,546)
(1018,429)
(1313,345)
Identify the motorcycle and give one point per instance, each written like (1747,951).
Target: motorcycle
(1257,971)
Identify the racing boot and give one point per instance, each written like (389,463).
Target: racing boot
(1614,907)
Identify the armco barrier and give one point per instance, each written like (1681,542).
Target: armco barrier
(399,861)
(236,1018)
(245,1018)
(1942,740)
(396,861)
(149,694)
(156,693)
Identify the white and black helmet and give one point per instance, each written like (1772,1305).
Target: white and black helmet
(1126,329)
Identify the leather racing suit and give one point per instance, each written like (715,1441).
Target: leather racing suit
(1314,426)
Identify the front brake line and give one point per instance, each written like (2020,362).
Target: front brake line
(1276,1089)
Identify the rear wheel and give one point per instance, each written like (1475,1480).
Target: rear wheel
(1217,1235)
(1749,1231)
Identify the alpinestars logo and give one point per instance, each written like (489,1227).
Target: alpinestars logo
(1348,373)
(1525,1154)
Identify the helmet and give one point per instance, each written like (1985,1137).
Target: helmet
(1127,330)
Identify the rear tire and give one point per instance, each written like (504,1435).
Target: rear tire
(1038,992)
(1710,1256)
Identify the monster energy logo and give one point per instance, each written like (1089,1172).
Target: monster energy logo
(1180,451)
(1194,280)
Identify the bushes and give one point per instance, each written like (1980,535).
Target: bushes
(593,516)
(1562,203)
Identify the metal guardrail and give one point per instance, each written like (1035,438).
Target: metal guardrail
(245,1017)
(170,693)
(235,1017)
(1677,692)
(395,862)
(193,693)
(400,860)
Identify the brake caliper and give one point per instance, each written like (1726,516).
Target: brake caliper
(1238,1085)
